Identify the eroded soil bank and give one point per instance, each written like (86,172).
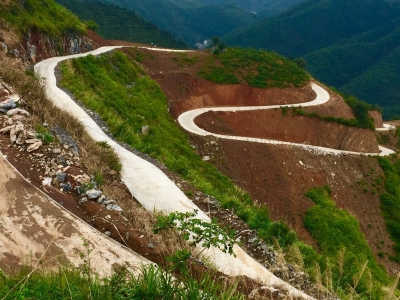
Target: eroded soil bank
(275,124)
(278,176)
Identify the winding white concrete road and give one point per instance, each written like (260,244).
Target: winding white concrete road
(152,188)
(186,120)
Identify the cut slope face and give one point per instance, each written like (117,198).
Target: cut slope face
(35,228)
(272,124)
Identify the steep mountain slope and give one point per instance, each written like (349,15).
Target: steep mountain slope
(276,176)
(193,23)
(343,42)
(138,92)
(119,23)
(31,31)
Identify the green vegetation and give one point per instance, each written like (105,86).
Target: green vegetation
(45,16)
(73,283)
(341,241)
(104,84)
(360,110)
(183,59)
(261,7)
(390,201)
(192,232)
(196,231)
(358,55)
(257,68)
(120,24)
(44,134)
(186,20)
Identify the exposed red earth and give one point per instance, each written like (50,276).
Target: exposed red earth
(278,176)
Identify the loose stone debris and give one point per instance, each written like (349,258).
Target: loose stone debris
(51,158)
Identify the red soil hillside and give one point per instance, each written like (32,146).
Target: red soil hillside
(278,176)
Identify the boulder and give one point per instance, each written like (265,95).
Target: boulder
(64,137)
(7,105)
(34,146)
(16,111)
(93,194)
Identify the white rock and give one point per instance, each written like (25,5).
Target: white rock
(7,129)
(15,111)
(116,208)
(34,146)
(47,181)
(93,193)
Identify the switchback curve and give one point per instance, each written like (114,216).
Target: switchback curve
(186,120)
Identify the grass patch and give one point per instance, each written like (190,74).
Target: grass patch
(335,229)
(390,201)
(299,111)
(183,59)
(80,283)
(360,110)
(257,68)
(45,16)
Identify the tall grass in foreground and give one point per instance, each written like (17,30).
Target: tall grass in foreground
(76,283)
(390,201)
(349,260)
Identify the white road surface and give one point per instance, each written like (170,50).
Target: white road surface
(152,188)
(186,120)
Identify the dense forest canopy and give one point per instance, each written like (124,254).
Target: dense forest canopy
(192,23)
(350,44)
(119,23)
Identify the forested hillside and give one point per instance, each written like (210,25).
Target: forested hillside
(192,23)
(118,23)
(352,45)
(261,7)
(23,15)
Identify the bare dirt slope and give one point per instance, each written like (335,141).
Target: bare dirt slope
(274,124)
(35,228)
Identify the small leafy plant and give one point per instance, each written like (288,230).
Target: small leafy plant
(196,231)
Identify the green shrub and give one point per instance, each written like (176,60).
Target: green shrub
(335,229)
(80,284)
(45,16)
(257,68)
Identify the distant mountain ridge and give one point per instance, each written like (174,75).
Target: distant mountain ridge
(261,7)
(350,44)
(189,21)
(119,23)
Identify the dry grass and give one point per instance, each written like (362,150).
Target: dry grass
(8,34)
(94,156)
